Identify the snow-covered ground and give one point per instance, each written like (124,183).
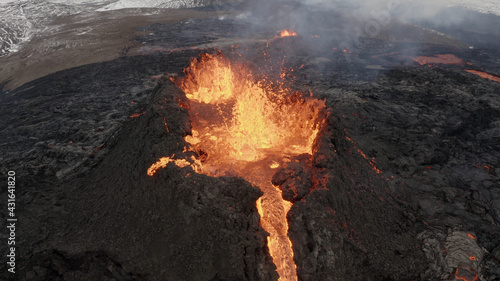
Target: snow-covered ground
(175,4)
(69,2)
(20,20)
(482,6)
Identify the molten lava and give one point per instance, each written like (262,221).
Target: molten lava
(287,33)
(244,119)
(464,273)
(163,162)
(135,115)
(243,128)
(484,75)
(454,60)
(439,59)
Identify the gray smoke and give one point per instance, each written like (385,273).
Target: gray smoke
(367,17)
(346,24)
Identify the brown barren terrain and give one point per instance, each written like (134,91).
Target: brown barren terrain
(84,39)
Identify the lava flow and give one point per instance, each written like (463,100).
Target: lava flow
(484,75)
(439,59)
(243,128)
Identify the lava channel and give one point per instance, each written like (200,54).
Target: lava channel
(243,128)
(484,75)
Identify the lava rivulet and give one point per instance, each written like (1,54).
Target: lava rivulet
(484,75)
(242,128)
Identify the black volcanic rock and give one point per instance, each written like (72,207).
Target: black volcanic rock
(175,225)
(432,132)
(183,225)
(294,179)
(351,226)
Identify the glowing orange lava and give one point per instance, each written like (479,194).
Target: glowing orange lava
(163,162)
(439,59)
(287,33)
(251,122)
(484,75)
(245,129)
(466,274)
(135,115)
(372,160)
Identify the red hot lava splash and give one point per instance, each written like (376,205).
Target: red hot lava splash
(243,128)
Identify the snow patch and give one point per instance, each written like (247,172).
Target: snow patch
(173,4)
(482,6)
(20,21)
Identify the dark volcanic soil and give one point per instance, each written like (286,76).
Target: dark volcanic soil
(405,171)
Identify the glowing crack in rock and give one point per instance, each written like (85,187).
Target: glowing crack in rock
(465,273)
(243,128)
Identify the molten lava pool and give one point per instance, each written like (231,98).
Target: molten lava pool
(241,127)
